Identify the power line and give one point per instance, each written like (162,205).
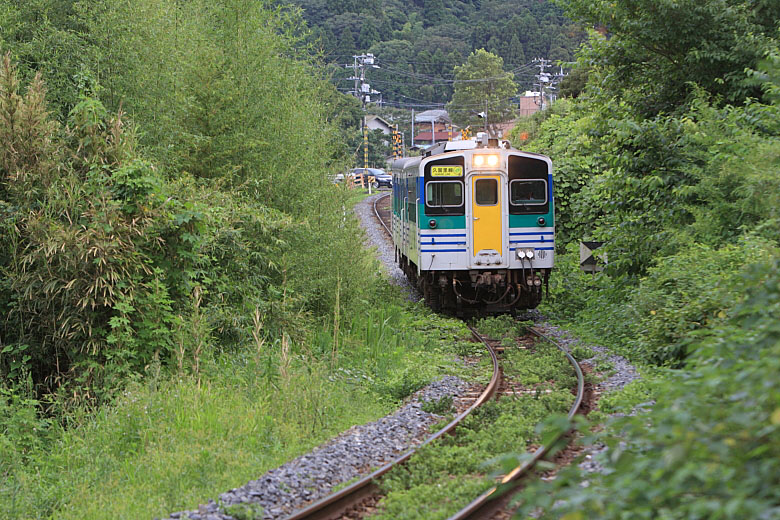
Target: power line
(434,80)
(524,68)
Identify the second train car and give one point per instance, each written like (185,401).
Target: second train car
(473,225)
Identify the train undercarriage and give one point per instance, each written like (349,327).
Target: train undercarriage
(468,293)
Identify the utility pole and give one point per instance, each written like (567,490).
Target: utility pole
(412,128)
(363,91)
(487,124)
(542,79)
(547,83)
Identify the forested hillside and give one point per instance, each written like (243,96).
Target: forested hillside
(417,44)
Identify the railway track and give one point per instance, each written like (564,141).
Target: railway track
(490,503)
(382,212)
(335,506)
(486,506)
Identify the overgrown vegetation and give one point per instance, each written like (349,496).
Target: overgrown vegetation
(153,450)
(683,199)
(172,258)
(444,476)
(156,231)
(708,447)
(674,165)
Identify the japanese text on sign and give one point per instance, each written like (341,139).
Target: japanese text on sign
(446,171)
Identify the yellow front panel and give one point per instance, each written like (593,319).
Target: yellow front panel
(486,213)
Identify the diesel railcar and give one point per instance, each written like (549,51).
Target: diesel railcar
(473,225)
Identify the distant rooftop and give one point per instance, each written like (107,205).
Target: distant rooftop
(432,116)
(439,136)
(372,117)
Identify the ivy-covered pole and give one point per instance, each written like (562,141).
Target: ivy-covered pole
(365,153)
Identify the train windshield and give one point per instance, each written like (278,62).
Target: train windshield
(529,186)
(528,192)
(444,194)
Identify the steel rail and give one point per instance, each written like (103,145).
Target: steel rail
(476,509)
(332,506)
(379,217)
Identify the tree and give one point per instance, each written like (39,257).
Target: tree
(368,34)
(573,84)
(657,51)
(482,85)
(515,54)
(433,12)
(347,44)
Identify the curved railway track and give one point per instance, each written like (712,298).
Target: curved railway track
(382,219)
(485,506)
(335,505)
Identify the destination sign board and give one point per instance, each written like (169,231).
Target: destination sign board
(446,171)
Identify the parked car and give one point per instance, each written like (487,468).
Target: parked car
(376,176)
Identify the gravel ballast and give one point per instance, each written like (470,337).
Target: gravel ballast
(355,452)
(377,237)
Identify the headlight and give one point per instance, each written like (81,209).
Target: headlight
(480,161)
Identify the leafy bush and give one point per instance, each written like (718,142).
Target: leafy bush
(84,243)
(692,290)
(710,446)
(652,320)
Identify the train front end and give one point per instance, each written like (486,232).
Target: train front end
(473,226)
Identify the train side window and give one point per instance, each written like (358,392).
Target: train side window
(444,194)
(486,192)
(528,192)
(411,201)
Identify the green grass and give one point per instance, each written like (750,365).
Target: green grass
(168,443)
(172,447)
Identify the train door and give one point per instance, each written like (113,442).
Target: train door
(487,239)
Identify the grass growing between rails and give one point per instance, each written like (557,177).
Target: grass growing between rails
(443,477)
(173,440)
